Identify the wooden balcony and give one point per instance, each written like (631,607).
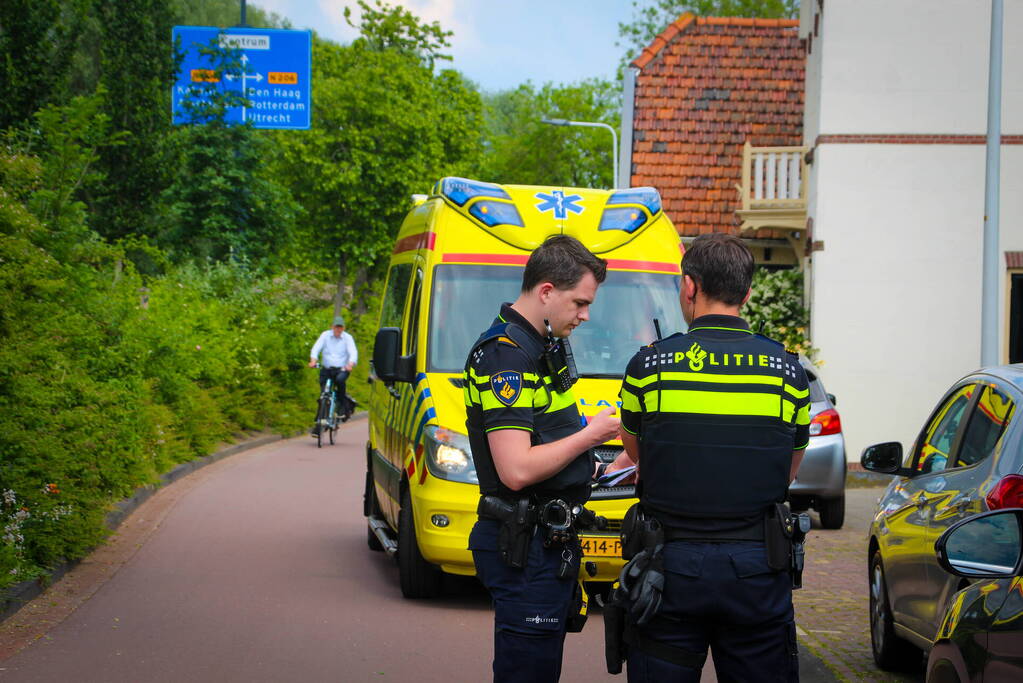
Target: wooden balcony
(773,190)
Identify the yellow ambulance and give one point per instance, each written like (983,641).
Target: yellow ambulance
(459,253)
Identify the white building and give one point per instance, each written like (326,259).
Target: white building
(895,121)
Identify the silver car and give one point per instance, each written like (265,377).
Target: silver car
(820,482)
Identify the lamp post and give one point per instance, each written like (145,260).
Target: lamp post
(593,124)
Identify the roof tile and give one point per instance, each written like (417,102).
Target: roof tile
(706,85)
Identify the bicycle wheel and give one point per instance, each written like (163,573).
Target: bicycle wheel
(321,420)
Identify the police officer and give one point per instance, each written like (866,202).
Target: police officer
(717,419)
(532,453)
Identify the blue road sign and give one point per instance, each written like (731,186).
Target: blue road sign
(274,78)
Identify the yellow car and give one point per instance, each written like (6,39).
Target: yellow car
(459,253)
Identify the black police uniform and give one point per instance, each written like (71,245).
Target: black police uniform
(507,387)
(718,412)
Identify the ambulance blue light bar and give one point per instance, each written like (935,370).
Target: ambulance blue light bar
(461,190)
(629,219)
(644,196)
(496,213)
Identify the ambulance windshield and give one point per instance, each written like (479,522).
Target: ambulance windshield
(467,298)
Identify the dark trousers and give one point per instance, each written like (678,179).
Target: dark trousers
(339,377)
(722,595)
(531,606)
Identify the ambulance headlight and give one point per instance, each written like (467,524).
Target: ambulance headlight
(448,455)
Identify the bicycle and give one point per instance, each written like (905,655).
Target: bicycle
(327,417)
(326,413)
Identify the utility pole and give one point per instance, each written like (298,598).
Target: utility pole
(992,184)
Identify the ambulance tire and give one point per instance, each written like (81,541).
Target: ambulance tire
(418,578)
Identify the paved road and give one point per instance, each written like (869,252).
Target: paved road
(256,569)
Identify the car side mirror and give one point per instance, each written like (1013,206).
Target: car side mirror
(885,458)
(385,353)
(985,546)
(388,364)
(834,401)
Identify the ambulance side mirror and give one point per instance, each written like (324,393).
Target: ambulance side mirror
(388,363)
(385,353)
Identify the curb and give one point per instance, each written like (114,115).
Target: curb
(15,597)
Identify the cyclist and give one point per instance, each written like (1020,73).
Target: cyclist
(339,357)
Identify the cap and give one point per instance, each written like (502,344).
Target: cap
(338,320)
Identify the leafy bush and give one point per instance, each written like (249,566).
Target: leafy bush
(777,304)
(107,379)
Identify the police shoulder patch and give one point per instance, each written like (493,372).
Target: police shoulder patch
(506,385)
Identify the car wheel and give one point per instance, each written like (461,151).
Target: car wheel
(418,578)
(832,511)
(799,503)
(891,652)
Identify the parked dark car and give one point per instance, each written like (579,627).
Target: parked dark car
(820,482)
(966,460)
(981,635)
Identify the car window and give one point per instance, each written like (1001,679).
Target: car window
(393,305)
(412,334)
(941,432)
(987,424)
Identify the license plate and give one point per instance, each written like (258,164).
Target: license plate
(601,546)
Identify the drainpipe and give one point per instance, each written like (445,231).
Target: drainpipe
(992,183)
(628,106)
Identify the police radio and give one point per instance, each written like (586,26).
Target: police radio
(559,361)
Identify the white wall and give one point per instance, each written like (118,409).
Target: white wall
(914,66)
(896,290)
(895,293)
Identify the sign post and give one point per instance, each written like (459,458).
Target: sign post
(274,81)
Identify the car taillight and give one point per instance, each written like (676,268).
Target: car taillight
(826,422)
(1007,493)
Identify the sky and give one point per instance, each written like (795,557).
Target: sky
(497,43)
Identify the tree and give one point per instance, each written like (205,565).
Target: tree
(385,27)
(221,203)
(385,126)
(38,39)
(137,67)
(522,150)
(650,19)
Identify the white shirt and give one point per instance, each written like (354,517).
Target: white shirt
(337,351)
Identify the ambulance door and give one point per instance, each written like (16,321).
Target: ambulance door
(384,400)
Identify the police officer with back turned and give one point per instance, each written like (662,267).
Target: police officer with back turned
(717,419)
(533,457)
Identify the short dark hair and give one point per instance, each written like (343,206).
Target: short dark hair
(561,260)
(721,265)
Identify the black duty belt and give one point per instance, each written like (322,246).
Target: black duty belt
(753,532)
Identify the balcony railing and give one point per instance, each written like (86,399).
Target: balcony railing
(773,190)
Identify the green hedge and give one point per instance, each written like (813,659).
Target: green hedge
(108,380)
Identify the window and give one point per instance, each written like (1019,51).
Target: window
(987,424)
(394,295)
(412,334)
(941,433)
(466,298)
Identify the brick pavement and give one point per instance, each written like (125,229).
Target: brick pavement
(831,608)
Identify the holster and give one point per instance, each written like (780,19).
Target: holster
(638,532)
(614,632)
(778,531)
(578,612)
(518,522)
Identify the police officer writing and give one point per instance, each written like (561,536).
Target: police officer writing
(717,419)
(533,457)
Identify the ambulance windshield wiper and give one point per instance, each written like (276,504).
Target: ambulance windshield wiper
(601,375)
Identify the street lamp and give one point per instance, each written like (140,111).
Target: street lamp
(593,124)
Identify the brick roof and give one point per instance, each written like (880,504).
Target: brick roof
(706,84)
